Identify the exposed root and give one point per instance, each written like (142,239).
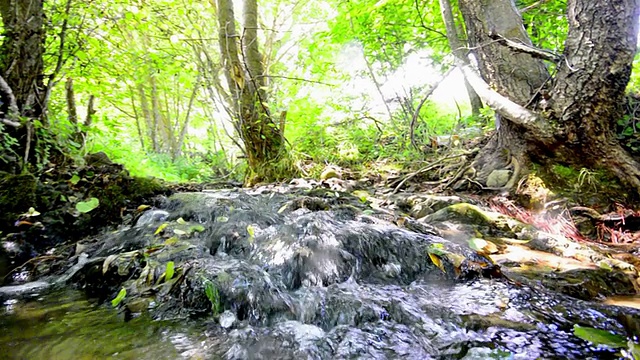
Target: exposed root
(442,165)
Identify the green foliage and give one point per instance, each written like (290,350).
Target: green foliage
(168,273)
(86,206)
(213,295)
(118,299)
(389,30)
(600,337)
(163,51)
(545,22)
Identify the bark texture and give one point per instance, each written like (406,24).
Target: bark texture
(574,112)
(263,143)
(21,53)
(22,92)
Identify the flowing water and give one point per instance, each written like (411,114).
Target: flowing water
(314,277)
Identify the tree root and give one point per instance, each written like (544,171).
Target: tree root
(432,166)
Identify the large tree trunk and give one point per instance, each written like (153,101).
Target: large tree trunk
(567,119)
(21,61)
(21,65)
(246,81)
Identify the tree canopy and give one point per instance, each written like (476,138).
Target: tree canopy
(186,90)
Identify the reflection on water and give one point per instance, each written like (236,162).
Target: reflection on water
(67,326)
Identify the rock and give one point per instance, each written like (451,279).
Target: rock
(329,173)
(97,159)
(227,319)
(151,217)
(138,305)
(498,178)
(17,194)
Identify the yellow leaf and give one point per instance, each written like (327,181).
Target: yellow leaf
(161,228)
(437,262)
(171,241)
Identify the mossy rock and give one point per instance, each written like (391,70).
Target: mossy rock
(584,284)
(17,194)
(120,193)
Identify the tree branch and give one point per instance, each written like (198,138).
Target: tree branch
(519,47)
(7,95)
(499,103)
(416,114)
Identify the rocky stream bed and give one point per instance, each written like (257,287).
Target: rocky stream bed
(313,271)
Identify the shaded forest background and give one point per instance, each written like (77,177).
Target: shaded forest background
(156,86)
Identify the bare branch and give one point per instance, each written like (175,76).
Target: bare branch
(532,6)
(5,90)
(414,119)
(299,79)
(527,49)
(499,103)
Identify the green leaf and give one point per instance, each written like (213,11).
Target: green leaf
(213,295)
(168,274)
(118,299)
(86,206)
(437,249)
(196,228)
(482,245)
(74,179)
(599,337)
(75,144)
(181,221)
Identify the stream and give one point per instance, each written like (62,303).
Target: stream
(289,274)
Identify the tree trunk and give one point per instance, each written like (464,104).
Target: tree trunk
(457,47)
(569,118)
(21,66)
(474,99)
(21,62)
(148,118)
(246,81)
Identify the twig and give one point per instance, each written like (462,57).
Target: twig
(416,114)
(299,79)
(527,49)
(427,168)
(5,90)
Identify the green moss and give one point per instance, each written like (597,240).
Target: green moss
(584,186)
(144,186)
(564,172)
(284,168)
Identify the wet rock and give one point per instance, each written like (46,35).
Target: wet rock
(584,284)
(17,194)
(227,319)
(309,275)
(420,205)
(152,216)
(498,178)
(27,289)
